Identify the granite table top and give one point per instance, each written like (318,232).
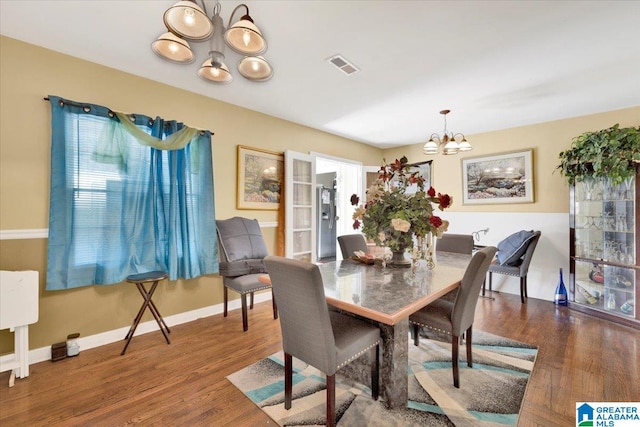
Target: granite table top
(389,295)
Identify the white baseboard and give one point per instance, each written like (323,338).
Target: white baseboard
(44,353)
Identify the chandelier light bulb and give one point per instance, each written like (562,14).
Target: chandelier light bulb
(189,17)
(246,37)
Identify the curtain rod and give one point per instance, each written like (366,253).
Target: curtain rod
(111,113)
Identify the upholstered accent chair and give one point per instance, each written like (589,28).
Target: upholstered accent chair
(349,243)
(514,256)
(241,252)
(457,243)
(325,339)
(456,318)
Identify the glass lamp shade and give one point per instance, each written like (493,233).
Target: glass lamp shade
(172,48)
(450,147)
(219,75)
(464,145)
(430,147)
(188,20)
(244,38)
(255,68)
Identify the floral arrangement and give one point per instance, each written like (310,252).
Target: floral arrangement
(391,216)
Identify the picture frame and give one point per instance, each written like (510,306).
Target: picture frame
(260,178)
(499,178)
(425,169)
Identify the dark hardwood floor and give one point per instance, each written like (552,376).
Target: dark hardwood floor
(580,358)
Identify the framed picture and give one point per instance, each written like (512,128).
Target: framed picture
(425,171)
(500,178)
(260,177)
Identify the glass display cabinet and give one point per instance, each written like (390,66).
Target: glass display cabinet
(604,265)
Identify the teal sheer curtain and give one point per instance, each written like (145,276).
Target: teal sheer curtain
(129,194)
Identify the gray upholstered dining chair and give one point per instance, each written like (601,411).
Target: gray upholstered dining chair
(456,318)
(457,243)
(325,339)
(516,263)
(241,253)
(349,243)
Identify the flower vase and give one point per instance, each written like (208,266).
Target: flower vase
(398,259)
(430,251)
(424,250)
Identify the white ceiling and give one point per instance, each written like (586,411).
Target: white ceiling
(495,64)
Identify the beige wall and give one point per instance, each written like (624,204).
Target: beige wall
(29,73)
(551,193)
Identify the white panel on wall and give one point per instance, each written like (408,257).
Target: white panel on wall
(551,253)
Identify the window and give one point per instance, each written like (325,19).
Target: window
(120,206)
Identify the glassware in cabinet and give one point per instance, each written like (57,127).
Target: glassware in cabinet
(604,265)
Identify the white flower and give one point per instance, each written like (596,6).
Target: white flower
(400,225)
(359,213)
(443,228)
(382,236)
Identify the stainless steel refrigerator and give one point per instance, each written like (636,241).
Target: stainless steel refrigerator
(326,217)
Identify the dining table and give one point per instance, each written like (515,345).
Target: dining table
(387,296)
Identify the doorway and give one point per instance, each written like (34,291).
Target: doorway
(347,181)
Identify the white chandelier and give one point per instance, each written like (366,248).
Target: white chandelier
(447,142)
(186,20)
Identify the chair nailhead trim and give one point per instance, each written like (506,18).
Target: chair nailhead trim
(437,329)
(355,356)
(252,290)
(432,328)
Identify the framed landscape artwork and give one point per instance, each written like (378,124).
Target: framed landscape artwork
(499,178)
(260,177)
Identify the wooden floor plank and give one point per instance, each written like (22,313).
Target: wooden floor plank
(580,358)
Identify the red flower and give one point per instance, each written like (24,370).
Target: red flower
(444,200)
(397,165)
(356,224)
(431,192)
(435,221)
(354,199)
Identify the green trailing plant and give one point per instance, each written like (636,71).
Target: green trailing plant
(613,153)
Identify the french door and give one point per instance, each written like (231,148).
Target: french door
(300,206)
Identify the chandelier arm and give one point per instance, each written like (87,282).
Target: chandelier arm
(459,133)
(435,137)
(203,5)
(234,12)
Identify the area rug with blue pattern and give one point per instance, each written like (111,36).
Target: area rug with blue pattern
(490,393)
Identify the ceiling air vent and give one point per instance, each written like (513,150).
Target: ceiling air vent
(343,65)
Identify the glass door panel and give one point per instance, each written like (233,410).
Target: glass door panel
(605,266)
(300,206)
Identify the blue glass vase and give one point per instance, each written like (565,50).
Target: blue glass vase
(561,292)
